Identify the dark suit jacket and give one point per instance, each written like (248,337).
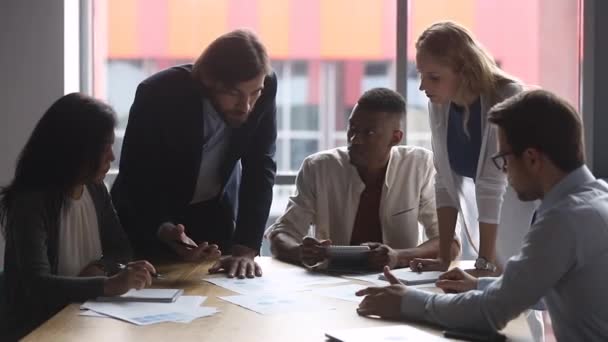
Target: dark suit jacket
(161,156)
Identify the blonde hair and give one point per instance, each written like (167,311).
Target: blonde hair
(453,45)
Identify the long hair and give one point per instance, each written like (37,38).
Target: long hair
(64,150)
(453,45)
(234,57)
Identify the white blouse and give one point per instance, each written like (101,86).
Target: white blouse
(79,240)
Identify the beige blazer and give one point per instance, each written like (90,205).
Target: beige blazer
(329,188)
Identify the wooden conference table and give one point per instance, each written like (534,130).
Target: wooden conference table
(232,323)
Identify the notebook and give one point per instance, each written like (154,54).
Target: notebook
(392,333)
(145,295)
(409,277)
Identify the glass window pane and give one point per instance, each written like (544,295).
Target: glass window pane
(340,142)
(542,49)
(280,119)
(300,149)
(279,152)
(321,71)
(305,117)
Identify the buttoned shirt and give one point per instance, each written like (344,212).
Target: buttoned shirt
(563,259)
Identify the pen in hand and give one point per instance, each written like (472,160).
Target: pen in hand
(185,244)
(154,275)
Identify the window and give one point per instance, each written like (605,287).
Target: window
(326,53)
(323,59)
(542,49)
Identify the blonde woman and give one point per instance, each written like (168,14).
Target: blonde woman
(462,82)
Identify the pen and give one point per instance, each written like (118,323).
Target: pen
(155,275)
(185,244)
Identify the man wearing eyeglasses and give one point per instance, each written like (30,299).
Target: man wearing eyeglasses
(197,164)
(564,256)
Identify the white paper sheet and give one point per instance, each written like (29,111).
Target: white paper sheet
(277,281)
(344,292)
(184,309)
(373,278)
(276,303)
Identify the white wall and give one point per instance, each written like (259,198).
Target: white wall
(31,73)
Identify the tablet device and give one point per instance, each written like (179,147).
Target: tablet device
(343,259)
(348,259)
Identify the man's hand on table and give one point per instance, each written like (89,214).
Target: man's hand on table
(456,281)
(188,250)
(382,301)
(239,264)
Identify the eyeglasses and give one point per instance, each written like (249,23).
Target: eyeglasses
(500,160)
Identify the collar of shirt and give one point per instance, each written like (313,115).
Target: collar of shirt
(214,126)
(565,186)
(210,112)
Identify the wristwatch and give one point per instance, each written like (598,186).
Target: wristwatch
(483,264)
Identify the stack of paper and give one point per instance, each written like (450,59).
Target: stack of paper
(145,295)
(183,310)
(409,277)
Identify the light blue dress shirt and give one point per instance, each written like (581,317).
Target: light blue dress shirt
(216,137)
(564,259)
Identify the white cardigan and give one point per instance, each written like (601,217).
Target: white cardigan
(485,199)
(329,189)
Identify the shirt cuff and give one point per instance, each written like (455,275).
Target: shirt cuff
(484,282)
(489,210)
(273,231)
(413,303)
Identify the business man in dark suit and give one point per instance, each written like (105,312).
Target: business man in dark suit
(197,164)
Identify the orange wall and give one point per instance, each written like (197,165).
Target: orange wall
(531,38)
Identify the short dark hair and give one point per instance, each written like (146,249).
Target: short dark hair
(542,120)
(234,57)
(382,100)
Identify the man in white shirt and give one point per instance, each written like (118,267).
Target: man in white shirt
(565,253)
(373,192)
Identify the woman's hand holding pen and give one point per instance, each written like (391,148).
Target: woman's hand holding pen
(135,275)
(188,250)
